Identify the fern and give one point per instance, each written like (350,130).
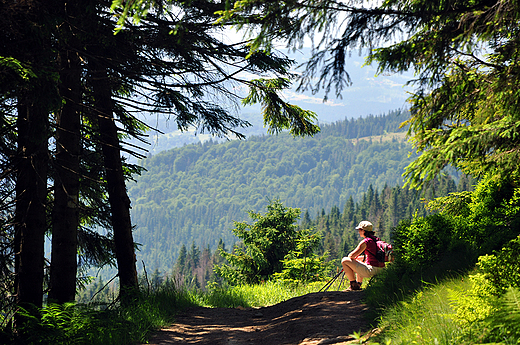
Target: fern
(505,323)
(510,312)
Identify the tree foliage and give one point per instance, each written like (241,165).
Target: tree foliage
(501,276)
(323,240)
(266,242)
(303,264)
(273,247)
(464,109)
(69,95)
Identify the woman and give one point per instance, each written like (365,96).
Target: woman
(353,265)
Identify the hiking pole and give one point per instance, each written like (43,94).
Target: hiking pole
(330,282)
(341,281)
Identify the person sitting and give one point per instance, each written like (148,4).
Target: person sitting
(354,265)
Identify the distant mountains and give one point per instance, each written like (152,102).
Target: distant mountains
(192,194)
(368,95)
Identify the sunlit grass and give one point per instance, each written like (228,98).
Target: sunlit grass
(427,318)
(258,295)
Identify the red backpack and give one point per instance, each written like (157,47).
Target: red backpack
(385,252)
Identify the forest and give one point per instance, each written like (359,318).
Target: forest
(71,89)
(193,267)
(75,75)
(196,192)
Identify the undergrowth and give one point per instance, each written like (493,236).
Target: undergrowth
(479,307)
(73,323)
(426,318)
(89,324)
(449,312)
(452,313)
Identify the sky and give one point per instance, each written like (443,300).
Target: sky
(369,94)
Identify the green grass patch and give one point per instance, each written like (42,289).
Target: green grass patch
(256,295)
(452,312)
(427,318)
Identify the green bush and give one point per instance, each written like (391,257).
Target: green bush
(502,269)
(427,249)
(302,265)
(423,241)
(265,244)
(494,215)
(442,245)
(491,307)
(462,311)
(473,305)
(273,247)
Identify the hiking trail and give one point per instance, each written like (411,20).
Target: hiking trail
(312,319)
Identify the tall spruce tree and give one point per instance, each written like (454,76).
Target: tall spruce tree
(266,242)
(173,74)
(69,67)
(65,215)
(27,45)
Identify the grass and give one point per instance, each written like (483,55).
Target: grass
(87,324)
(429,317)
(259,295)
(433,316)
(426,318)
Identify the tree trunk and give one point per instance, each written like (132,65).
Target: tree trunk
(118,197)
(31,193)
(66,181)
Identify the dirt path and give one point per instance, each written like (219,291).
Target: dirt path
(316,318)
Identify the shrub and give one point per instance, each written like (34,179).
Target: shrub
(431,248)
(473,305)
(422,241)
(494,215)
(273,247)
(266,242)
(490,309)
(502,269)
(302,264)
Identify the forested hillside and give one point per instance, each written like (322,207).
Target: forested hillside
(385,208)
(194,193)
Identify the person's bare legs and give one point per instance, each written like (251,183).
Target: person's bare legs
(348,266)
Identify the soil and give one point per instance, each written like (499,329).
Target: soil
(316,318)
